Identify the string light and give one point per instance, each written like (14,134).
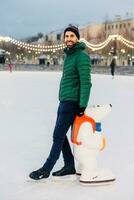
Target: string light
(96,45)
(127,41)
(53,48)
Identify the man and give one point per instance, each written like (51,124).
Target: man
(112,66)
(73,96)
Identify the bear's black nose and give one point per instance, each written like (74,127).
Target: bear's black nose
(110,104)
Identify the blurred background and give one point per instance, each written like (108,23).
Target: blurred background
(31,33)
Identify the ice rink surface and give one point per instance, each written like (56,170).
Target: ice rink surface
(28,106)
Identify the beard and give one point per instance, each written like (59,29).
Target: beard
(70,44)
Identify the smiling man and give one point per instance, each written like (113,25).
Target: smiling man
(73,96)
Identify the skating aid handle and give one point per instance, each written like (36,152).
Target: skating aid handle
(76,126)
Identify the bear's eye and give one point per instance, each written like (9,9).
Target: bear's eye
(98,105)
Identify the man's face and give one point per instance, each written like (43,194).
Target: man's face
(70,39)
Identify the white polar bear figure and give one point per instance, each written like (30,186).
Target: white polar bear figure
(88,140)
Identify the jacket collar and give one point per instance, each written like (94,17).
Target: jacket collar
(76,47)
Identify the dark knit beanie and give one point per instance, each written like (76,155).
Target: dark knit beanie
(73,29)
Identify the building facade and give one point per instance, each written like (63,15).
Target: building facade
(124,27)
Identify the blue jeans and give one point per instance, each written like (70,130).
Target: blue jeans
(65,118)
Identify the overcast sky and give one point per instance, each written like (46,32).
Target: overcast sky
(22,18)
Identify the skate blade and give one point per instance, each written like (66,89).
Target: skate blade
(78,174)
(43,180)
(97,183)
(64,178)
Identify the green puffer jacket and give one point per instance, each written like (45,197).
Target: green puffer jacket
(76,79)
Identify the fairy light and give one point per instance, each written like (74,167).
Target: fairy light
(127,41)
(95,45)
(95,48)
(54,48)
(128,45)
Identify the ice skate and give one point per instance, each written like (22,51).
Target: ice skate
(39,174)
(64,174)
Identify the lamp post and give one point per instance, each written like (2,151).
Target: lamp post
(115,47)
(115,50)
(122,56)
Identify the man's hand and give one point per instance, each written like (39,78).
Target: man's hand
(80,111)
